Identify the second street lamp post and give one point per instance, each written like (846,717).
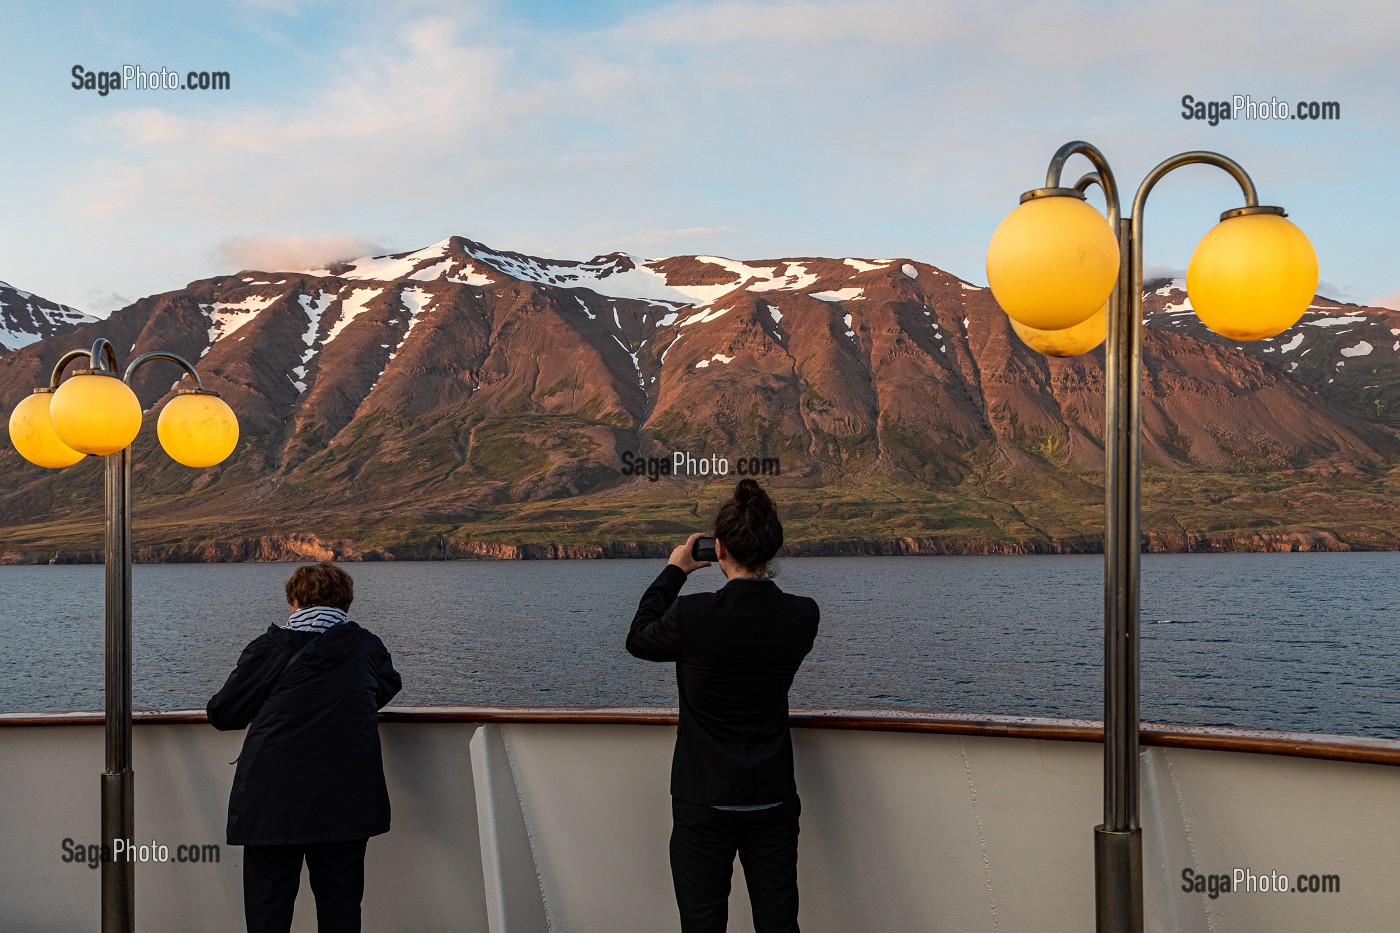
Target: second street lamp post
(1051,265)
(96,413)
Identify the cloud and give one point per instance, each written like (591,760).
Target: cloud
(101,302)
(1343,293)
(1389,301)
(665,239)
(741,127)
(290,253)
(1151,271)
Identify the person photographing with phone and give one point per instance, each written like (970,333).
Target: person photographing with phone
(736,651)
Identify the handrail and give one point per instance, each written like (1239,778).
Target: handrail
(1356,749)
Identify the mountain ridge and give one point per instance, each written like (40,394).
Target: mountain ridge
(26,318)
(469,388)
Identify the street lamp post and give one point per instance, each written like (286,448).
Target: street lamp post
(1250,277)
(96,413)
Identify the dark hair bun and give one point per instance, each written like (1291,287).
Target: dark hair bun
(749,527)
(748,491)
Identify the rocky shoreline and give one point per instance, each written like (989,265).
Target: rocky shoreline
(308,547)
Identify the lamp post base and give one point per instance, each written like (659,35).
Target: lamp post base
(1118,880)
(119,870)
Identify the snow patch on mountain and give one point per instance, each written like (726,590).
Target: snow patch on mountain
(1336,321)
(841,294)
(795,277)
(740,270)
(416,301)
(617,275)
(1361,349)
(717,358)
(395,266)
(351,308)
(704,315)
(432,273)
(636,365)
(674,341)
(227,318)
(861,266)
(468,274)
(314,308)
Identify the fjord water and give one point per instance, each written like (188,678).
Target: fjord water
(1303,642)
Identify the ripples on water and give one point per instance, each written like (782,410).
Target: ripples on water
(1302,642)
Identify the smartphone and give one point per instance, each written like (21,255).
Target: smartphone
(704,550)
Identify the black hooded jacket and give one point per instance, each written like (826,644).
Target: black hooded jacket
(311,769)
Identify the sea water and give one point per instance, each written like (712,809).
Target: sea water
(1302,642)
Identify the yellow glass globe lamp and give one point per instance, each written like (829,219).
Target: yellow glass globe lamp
(198,429)
(1071,341)
(1053,261)
(94,412)
(31,431)
(1253,275)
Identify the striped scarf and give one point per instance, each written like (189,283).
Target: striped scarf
(316,619)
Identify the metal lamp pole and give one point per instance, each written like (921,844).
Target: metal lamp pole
(118,780)
(1118,840)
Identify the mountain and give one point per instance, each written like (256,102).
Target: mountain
(1348,353)
(26,318)
(488,399)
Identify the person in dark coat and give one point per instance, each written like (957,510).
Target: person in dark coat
(736,652)
(310,779)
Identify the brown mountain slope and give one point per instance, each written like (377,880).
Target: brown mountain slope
(453,390)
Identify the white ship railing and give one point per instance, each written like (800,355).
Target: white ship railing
(518,820)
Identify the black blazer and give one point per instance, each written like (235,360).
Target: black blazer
(736,651)
(311,769)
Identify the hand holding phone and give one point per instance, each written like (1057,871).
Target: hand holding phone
(684,555)
(702,550)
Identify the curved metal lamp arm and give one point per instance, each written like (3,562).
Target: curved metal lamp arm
(1105,178)
(62,364)
(101,358)
(1194,157)
(170,357)
(1086,182)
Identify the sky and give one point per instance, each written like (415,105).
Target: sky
(746,129)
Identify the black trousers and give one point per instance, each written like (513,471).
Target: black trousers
(703,844)
(272,875)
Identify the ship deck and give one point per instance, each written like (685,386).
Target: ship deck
(525,820)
